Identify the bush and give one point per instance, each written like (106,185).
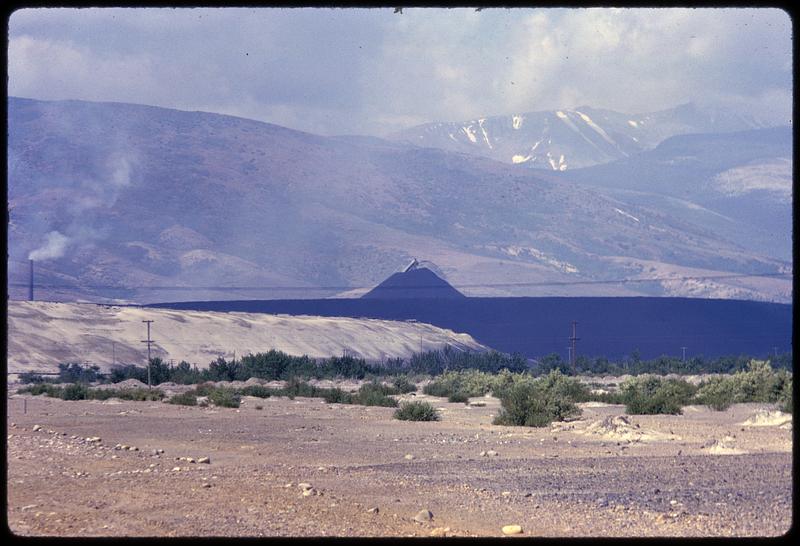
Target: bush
(537,403)
(184,399)
(649,395)
(416,411)
(42,388)
(337,396)
(375,394)
(403,385)
(468,382)
(31,377)
(718,393)
(458,397)
(785,398)
(258,391)
(75,391)
(225,398)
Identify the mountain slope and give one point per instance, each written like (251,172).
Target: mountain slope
(738,184)
(567,139)
(146,204)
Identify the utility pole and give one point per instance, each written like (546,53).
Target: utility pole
(149,342)
(573,340)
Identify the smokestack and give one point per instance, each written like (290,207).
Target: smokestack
(30,284)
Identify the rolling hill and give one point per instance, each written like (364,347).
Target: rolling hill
(122,202)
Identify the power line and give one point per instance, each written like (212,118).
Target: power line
(149,342)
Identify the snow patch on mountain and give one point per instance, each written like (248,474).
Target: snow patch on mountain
(470,134)
(596,127)
(483,130)
(622,212)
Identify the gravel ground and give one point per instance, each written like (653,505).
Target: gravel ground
(366,474)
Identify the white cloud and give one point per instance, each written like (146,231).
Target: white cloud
(346,70)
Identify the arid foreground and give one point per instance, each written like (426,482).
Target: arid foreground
(364,473)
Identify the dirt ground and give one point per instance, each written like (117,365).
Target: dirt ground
(702,473)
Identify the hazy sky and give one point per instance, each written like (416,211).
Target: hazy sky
(371,71)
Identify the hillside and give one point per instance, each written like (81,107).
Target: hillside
(122,202)
(738,184)
(42,335)
(560,140)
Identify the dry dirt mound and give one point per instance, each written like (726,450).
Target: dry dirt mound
(620,428)
(768,418)
(129,384)
(723,446)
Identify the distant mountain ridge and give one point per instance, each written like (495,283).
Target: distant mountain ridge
(572,138)
(145,204)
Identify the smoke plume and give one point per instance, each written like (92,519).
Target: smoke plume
(54,247)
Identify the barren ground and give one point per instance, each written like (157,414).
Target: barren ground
(664,478)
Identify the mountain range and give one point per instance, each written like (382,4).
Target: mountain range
(134,203)
(566,139)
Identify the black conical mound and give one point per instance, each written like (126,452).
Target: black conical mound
(419,282)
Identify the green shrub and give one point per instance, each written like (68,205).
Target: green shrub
(650,394)
(75,391)
(469,382)
(718,393)
(184,399)
(416,411)
(42,388)
(225,398)
(537,403)
(785,398)
(372,398)
(403,385)
(337,396)
(458,397)
(31,377)
(258,391)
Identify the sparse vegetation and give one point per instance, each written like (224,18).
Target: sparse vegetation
(458,397)
(184,399)
(758,383)
(224,398)
(79,391)
(538,402)
(650,394)
(416,411)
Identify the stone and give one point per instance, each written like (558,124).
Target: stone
(409,456)
(440,532)
(204,460)
(373,510)
(36,428)
(304,485)
(423,516)
(512,530)
(491,453)
(206,485)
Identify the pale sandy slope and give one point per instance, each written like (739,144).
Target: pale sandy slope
(43,334)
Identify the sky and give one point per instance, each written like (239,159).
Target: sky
(374,71)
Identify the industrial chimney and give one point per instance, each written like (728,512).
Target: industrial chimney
(30,283)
